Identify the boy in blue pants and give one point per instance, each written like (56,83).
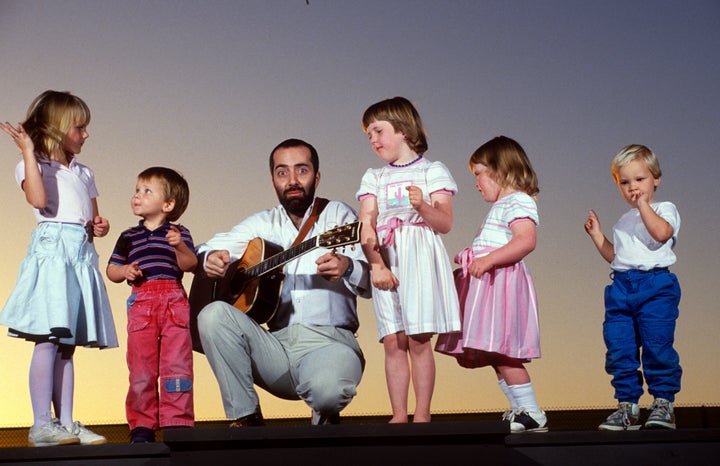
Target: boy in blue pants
(641,304)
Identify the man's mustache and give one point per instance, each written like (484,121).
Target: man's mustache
(294,188)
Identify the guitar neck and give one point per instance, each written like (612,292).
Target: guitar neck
(281,258)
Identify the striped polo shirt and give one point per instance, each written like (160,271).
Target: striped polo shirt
(151,250)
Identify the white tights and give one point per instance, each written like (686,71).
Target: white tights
(52,380)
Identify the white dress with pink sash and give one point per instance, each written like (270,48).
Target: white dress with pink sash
(426,300)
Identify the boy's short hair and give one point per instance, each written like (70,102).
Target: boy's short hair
(174,185)
(635,152)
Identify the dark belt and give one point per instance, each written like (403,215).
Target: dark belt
(90,231)
(654,270)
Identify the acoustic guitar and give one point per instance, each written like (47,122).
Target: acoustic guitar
(253,283)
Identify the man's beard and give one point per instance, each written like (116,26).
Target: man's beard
(297,206)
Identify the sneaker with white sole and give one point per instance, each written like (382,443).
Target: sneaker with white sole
(528,421)
(662,415)
(86,436)
(625,418)
(51,434)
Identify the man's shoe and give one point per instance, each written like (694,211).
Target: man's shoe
(86,436)
(625,418)
(322,419)
(251,420)
(142,435)
(50,434)
(528,421)
(662,415)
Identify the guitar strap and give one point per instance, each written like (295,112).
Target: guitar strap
(318,207)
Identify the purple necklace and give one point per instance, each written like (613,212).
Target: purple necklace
(406,164)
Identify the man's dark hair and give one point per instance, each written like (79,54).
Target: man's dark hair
(288,143)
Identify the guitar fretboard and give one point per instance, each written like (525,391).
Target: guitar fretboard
(281,258)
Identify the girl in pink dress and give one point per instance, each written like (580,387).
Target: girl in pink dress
(497,295)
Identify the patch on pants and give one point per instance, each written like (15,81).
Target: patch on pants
(177,385)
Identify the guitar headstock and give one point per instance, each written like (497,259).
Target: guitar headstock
(341,236)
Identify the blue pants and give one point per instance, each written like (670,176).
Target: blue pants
(640,313)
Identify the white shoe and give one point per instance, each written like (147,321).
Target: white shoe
(86,436)
(51,434)
(508,415)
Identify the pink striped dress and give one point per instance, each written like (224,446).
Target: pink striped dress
(499,310)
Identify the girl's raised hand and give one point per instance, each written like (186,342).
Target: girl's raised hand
(415,196)
(19,136)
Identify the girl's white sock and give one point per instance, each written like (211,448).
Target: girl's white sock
(506,390)
(524,396)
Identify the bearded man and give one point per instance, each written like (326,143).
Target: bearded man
(308,350)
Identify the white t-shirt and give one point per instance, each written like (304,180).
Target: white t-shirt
(70,191)
(635,249)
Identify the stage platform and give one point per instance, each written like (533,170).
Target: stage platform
(370,441)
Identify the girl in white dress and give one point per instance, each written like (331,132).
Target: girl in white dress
(404,207)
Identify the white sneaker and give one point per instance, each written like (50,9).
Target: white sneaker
(86,436)
(51,434)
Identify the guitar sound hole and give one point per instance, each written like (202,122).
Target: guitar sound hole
(239,281)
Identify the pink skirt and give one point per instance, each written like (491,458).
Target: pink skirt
(499,314)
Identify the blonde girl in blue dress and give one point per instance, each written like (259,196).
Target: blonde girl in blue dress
(405,206)
(59,301)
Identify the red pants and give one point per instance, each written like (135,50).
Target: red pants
(159,348)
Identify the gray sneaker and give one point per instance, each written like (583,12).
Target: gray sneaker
(318,419)
(625,418)
(662,415)
(50,434)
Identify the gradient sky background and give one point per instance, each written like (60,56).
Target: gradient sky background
(210,87)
